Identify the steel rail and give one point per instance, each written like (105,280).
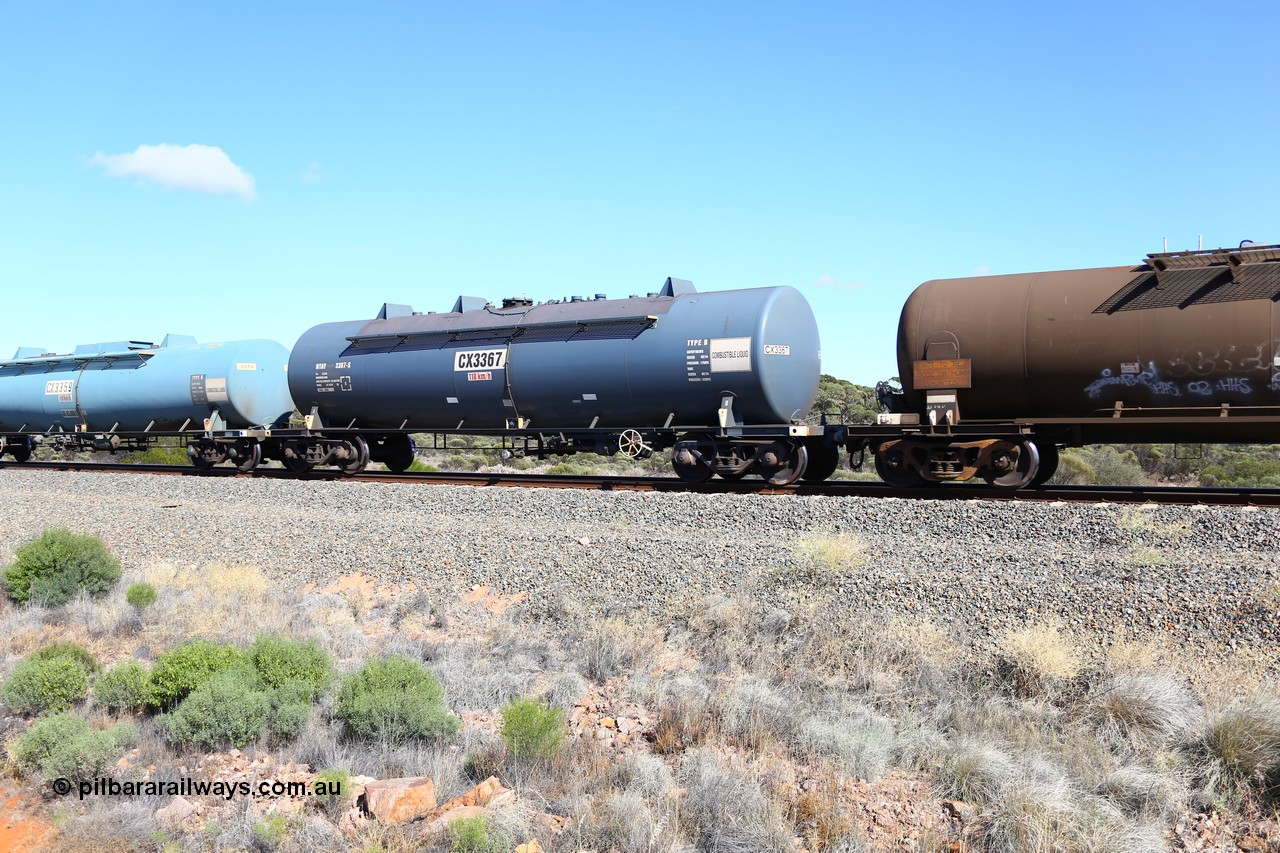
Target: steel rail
(831,488)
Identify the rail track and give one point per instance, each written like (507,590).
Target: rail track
(831,488)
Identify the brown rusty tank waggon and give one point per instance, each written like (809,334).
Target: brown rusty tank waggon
(999,372)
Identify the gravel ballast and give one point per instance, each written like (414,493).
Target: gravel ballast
(1196,577)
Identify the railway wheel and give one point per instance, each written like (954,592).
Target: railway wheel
(354,455)
(824,459)
(294,458)
(893,468)
(791,462)
(248,456)
(1048,463)
(685,458)
(1013,466)
(204,454)
(20,451)
(394,451)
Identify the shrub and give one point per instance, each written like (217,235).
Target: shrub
(331,788)
(123,687)
(531,729)
(270,831)
(53,684)
(724,809)
(305,666)
(65,746)
(290,719)
(183,668)
(612,646)
(394,698)
(473,835)
(140,596)
(72,651)
(754,713)
(52,569)
(230,707)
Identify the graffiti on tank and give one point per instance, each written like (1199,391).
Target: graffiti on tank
(1150,379)
(1234,385)
(1186,363)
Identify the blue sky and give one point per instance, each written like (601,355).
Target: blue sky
(352,154)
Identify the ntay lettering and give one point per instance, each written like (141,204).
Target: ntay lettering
(480,359)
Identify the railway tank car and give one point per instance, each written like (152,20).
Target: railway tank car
(725,378)
(123,394)
(998,372)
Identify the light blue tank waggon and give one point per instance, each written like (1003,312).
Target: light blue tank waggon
(122,393)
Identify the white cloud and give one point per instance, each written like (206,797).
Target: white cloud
(981,270)
(199,168)
(832,281)
(313,174)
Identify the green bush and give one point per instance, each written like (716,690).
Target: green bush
(52,569)
(289,719)
(141,596)
(230,707)
(304,665)
(183,668)
(72,651)
(123,687)
(531,729)
(270,831)
(65,746)
(394,698)
(51,684)
(473,835)
(331,787)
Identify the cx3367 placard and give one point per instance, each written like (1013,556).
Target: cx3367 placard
(480,359)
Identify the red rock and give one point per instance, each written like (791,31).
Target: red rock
(487,793)
(396,801)
(178,810)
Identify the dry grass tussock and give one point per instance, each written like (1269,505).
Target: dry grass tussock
(819,554)
(1149,706)
(1040,658)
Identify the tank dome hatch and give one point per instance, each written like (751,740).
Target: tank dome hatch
(677,287)
(469,303)
(179,341)
(391,309)
(112,348)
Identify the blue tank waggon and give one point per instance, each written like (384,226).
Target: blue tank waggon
(725,378)
(123,394)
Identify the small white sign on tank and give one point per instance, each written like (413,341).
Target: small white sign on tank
(730,355)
